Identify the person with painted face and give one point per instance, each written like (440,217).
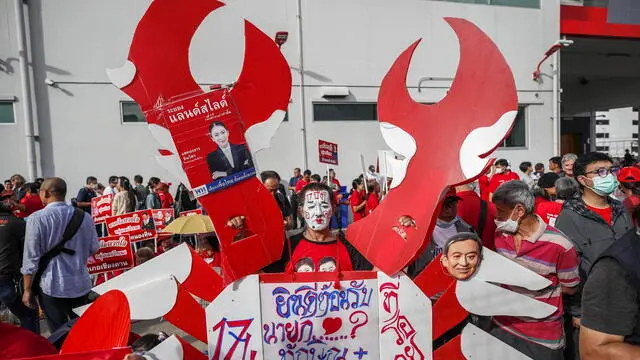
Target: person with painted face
(592,219)
(448,224)
(228,158)
(502,175)
(317,249)
(523,237)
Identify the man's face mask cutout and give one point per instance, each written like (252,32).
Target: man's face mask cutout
(317,209)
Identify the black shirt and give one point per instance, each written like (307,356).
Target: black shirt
(11,243)
(609,301)
(358,261)
(85,195)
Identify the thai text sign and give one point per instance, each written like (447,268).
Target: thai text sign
(162,218)
(328,152)
(101,208)
(114,253)
(138,225)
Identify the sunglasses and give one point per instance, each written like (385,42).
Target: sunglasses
(603,172)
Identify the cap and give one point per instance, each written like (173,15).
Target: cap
(629,174)
(451,193)
(548,180)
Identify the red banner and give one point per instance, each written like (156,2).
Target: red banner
(191,212)
(101,208)
(163,217)
(114,253)
(328,152)
(138,225)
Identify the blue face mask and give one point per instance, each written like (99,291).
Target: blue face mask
(446,224)
(604,186)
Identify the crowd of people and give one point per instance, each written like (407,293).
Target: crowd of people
(575,225)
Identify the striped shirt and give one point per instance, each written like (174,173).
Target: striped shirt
(549,254)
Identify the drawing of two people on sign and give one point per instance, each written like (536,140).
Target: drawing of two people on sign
(228,158)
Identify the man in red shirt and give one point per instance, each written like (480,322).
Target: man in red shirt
(502,175)
(629,179)
(525,239)
(31,202)
(306,178)
(477,213)
(357,199)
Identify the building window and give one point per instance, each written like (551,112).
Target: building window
(602,135)
(602,148)
(602,122)
(535,4)
(345,112)
(634,122)
(518,136)
(634,135)
(131,112)
(6,113)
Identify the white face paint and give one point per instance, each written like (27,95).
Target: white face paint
(317,209)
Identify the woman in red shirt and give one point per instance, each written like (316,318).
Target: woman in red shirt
(357,199)
(373,199)
(31,202)
(166,200)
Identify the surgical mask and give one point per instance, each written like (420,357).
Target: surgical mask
(508,226)
(446,224)
(499,170)
(605,186)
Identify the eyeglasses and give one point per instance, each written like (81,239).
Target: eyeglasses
(603,172)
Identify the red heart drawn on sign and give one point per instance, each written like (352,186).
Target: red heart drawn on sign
(331,325)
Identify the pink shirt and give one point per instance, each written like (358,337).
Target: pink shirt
(547,253)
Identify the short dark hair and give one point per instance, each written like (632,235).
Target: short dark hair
(502,162)
(145,342)
(55,186)
(138,179)
(113,179)
(217,123)
(463,236)
(525,165)
(318,186)
(40,180)
(91,179)
(316,177)
(33,187)
(539,167)
(153,181)
(307,172)
(356,182)
(269,174)
(296,169)
(557,160)
(580,166)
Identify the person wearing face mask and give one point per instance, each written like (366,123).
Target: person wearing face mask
(526,239)
(592,219)
(448,224)
(502,175)
(83,200)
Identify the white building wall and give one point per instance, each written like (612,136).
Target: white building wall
(621,131)
(346,43)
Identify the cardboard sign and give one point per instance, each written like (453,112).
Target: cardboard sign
(162,218)
(101,208)
(328,152)
(114,253)
(190,212)
(138,225)
(271,316)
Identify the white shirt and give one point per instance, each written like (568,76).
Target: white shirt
(227,153)
(110,190)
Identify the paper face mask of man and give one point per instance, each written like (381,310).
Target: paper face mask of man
(317,209)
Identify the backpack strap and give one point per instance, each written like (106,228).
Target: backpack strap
(482,219)
(45,259)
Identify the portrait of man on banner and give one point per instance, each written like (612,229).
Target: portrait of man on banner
(228,158)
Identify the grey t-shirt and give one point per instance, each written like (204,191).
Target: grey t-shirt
(609,301)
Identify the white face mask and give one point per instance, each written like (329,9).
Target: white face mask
(317,209)
(499,170)
(509,225)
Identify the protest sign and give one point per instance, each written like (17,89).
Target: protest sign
(162,218)
(114,253)
(101,208)
(328,152)
(138,225)
(190,212)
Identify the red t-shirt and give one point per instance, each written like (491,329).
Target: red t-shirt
(499,179)
(469,211)
(605,213)
(549,211)
(631,203)
(166,200)
(32,202)
(300,184)
(372,203)
(310,256)
(211,257)
(356,199)
(483,183)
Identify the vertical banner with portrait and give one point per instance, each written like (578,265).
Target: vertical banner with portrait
(101,208)
(328,152)
(209,138)
(162,218)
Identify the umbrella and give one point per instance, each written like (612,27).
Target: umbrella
(193,224)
